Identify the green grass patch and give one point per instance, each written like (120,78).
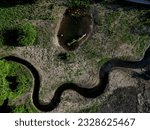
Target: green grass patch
(27,34)
(23,77)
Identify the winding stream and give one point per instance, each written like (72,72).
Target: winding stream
(86,92)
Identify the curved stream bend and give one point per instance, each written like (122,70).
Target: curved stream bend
(86,92)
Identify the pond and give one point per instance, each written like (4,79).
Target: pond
(75,28)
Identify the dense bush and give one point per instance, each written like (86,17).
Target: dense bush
(27,34)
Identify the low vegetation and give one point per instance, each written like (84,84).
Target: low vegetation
(23,78)
(69,57)
(79,3)
(27,34)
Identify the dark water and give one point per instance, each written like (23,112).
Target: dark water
(73,28)
(143,75)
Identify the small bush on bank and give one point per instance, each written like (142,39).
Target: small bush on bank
(27,34)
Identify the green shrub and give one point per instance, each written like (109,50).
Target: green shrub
(66,56)
(27,34)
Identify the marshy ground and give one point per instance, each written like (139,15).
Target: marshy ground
(120,31)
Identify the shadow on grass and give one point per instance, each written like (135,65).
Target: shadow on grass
(10,3)
(5,108)
(10,37)
(13,84)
